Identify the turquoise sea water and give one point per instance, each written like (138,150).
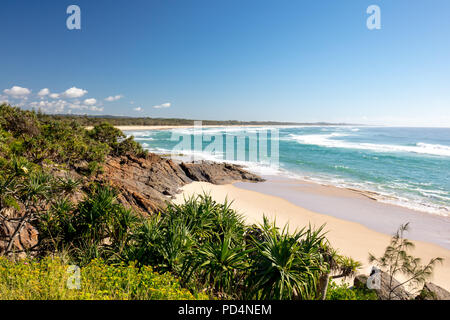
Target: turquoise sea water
(405,166)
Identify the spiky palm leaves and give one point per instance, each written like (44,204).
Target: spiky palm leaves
(287,265)
(104,224)
(168,237)
(208,245)
(97,227)
(220,266)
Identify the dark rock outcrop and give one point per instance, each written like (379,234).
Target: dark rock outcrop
(145,184)
(360,281)
(384,290)
(431,291)
(217,173)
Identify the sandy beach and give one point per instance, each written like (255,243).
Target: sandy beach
(351,238)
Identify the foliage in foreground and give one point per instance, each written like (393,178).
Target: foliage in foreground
(344,292)
(208,246)
(47,280)
(204,243)
(397,260)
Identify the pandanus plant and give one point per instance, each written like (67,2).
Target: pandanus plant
(219,265)
(286,265)
(295,265)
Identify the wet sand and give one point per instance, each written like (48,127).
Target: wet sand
(357,206)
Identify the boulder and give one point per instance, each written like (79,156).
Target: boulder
(25,240)
(383,287)
(360,281)
(431,291)
(217,173)
(146,184)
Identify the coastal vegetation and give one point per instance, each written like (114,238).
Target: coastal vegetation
(200,249)
(48,279)
(86,120)
(397,260)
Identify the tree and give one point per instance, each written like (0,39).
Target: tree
(337,266)
(396,260)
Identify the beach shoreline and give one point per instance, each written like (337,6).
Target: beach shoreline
(356,205)
(352,158)
(167,127)
(351,238)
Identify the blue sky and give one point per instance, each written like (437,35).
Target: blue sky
(276,60)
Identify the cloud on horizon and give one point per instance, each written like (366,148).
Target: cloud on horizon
(48,102)
(17,91)
(164,105)
(74,92)
(114,98)
(44,92)
(61,106)
(90,102)
(4,99)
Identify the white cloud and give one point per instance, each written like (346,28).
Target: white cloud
(74,92)
(90,102)
(50,106)
(4,99)
(114,98)
(44,92)
(76,106)
(94,108)
(16,91)
(138,109)
(65,102)
(164,105)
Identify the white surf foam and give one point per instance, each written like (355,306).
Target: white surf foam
(328,140)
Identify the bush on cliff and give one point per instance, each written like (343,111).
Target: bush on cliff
(38,139)
(116,140)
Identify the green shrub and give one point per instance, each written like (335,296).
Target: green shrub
(210,248)
(94,168)
(344,292)
(287,265)
(116,140)
(20,122)
(220,266)
(47,280)
(99,226)
(64,141)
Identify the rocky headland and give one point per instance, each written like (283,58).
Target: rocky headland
(144,184)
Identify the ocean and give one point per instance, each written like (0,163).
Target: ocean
(409,167)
